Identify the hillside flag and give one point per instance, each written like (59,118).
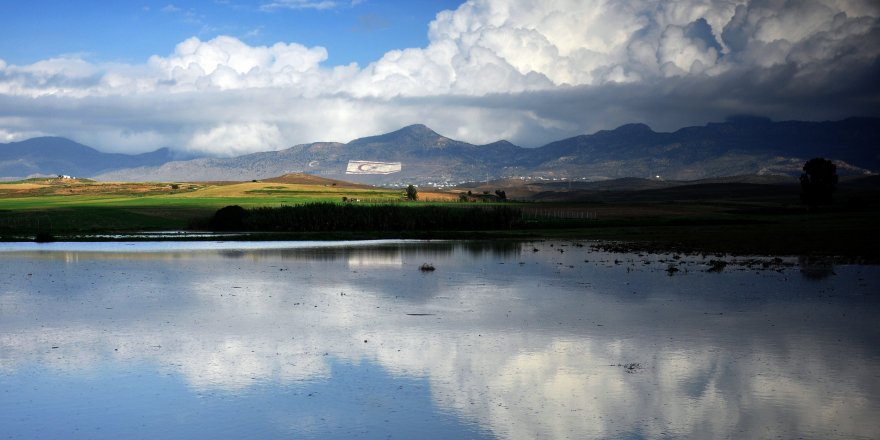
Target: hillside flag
(368,167)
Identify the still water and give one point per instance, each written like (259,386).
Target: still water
(519,340)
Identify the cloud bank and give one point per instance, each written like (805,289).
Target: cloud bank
(493,69)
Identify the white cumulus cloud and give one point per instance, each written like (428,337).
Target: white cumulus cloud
(240,138)
(531,72)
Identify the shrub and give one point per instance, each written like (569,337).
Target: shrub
(412,193)
(230,218)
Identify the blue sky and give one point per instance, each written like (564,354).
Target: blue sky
(228,77)
(131,31)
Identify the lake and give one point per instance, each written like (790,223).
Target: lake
(512,340)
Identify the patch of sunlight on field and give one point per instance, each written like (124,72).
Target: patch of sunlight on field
(41,196)
(21,186)
(263,189)
(233,190)
(437,197)
(44,202)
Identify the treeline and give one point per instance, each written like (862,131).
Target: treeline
(321,217)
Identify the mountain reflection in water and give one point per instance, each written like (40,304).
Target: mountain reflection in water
(507,339)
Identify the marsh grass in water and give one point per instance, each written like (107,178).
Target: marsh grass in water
(316,217)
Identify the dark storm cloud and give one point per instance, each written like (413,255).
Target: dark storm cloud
(494,69)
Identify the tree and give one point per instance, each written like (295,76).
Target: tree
(818,182)
(501,195)
(230,218)
(412,193)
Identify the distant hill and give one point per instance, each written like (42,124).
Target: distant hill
(739,146)
(851,189)
(50,156)
(630,188)
(309,179)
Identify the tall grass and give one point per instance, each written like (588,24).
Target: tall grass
(320,217)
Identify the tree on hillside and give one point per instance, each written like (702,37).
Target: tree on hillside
(412,193)
(818,182)
(502,195)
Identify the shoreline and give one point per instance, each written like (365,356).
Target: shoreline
(653,240)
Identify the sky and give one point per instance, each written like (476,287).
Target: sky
(230,77)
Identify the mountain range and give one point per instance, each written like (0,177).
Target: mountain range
(738,146)
(46,156)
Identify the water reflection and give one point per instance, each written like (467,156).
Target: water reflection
(500,341)
(257,250)
(164,406)
(816,268)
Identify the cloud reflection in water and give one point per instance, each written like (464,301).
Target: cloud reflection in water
(525,344)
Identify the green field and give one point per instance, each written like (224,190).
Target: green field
(88,207)
(64,208)
(679,222)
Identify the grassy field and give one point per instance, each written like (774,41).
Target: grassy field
(70,206)
(675,221)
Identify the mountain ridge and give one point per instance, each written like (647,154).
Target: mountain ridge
(53,155)
(738,146)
